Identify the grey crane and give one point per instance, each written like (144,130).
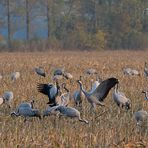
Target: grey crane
(40,71)
(78,96)
(68,75)
(57,77)
(130,72)
(91,71)
(145,69)
(120,99)
(51,90)
(101,92)
(7,98)
(26,110)
(70,112)
(15,76)
(59,71)
(27,105)
(135,72)
(65,96)
(141,116)
(146,94)
(127,71)
(50,111)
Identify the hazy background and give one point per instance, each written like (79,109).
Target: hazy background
(40,25)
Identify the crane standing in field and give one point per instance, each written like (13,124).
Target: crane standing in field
(51,91)
(7,98)
(78,96)
(62,100)
(141,116)
(120,99)
(15,75)
(101,92)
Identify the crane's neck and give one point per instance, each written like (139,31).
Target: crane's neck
(146,96)
(32,105)
(82,89)
(67,90)
(116,88)
(97,78)
(16,114)
(58,88)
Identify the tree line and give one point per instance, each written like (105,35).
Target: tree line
(75,24)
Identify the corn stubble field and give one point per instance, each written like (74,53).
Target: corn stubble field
(106,128)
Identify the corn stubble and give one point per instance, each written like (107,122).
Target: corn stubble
(110,129)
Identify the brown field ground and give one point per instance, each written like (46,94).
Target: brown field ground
(109,130)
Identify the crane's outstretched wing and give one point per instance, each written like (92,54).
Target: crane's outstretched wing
(48,89)
(44,88)
(103,89)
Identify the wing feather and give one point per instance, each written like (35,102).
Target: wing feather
(44,88)
(103,89)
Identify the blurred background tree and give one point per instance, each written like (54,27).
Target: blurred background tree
(69,24)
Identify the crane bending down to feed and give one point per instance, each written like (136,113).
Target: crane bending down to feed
(68,75)
(15,76)
(59,71)
(7,98)
(91,71)
(101,92)
(50,111)
(120,99)
(40,71)
(141,116)
(130,72)
(51,91)
(26,110)
(70,112)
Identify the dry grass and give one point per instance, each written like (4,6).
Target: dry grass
(109,130)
